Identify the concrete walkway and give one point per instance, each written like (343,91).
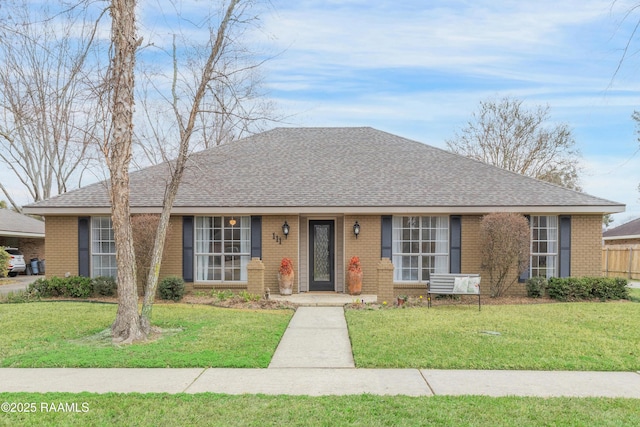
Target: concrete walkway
(317,337)
(314,358)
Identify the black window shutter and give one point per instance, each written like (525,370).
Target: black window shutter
(385,243)
(564,232)
(84,244)
(525,274)
(187,248)
(455,243)
(256,237)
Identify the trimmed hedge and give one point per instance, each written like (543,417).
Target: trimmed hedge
(104,286)
(73,287)
(587,288)
(536,286)
(171,288)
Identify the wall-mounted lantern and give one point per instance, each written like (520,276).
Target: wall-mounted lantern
(356,229)
(285,229)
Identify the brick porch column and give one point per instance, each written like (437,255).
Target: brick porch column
(255,277)
(385,281)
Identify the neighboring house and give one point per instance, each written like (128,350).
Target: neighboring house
(22,232)
(418,209)
(621,251)
(625,234)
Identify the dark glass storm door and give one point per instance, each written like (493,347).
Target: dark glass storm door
(321,256)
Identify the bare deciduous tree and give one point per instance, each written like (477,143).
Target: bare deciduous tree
(504,133)
(186,119)
(505,240)
(187,107)
(117,150)
(232,106)
(46,110)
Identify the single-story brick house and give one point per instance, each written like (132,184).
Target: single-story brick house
(418,209)
(22,232)
(625,234)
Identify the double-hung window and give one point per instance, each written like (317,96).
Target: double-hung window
(223,248)
(544,246)
(420,247)
(103,247)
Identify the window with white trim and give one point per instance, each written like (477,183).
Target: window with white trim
(544,246)
(103,247)
(420,247)
(222,248)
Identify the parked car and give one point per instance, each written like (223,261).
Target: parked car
(16,262)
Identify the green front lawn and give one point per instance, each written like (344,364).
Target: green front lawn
(579,336)
(559,336)
(73,334)
(562,336)
(361,410)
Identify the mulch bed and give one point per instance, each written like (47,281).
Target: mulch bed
(238,302)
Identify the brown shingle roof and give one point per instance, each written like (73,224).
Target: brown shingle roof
(630,229)
(344,168)
(17,225)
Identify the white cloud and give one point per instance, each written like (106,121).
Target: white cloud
(421,34)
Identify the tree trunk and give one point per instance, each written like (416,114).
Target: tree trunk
(126,328)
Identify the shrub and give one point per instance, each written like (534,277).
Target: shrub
(536,286)
(611,288)
(41,287)
(144,227)
(505,239)
(104,286)
(585,288)
(4,262)
(77,287)
(74,287)
(171,288)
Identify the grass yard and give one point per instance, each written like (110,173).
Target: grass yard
(72,334)
(361,410)
(559,336)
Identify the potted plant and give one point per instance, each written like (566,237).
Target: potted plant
(402,299)
(285,276)
(354,276)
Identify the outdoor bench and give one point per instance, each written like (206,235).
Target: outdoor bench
(453,284)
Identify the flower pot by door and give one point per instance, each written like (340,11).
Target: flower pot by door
(285,282)
(354,282)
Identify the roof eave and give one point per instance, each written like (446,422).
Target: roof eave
(21,234)
(627,237)
(266,210)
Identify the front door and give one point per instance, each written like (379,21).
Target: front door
(321,256)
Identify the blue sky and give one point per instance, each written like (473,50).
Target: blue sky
(419,68)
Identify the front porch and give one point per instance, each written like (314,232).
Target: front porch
(324,299)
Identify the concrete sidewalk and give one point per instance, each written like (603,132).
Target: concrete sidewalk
(323,381)
(314,358)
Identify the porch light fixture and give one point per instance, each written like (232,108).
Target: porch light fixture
(356,229)
(285,229)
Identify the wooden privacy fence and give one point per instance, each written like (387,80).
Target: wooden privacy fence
(621,261)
